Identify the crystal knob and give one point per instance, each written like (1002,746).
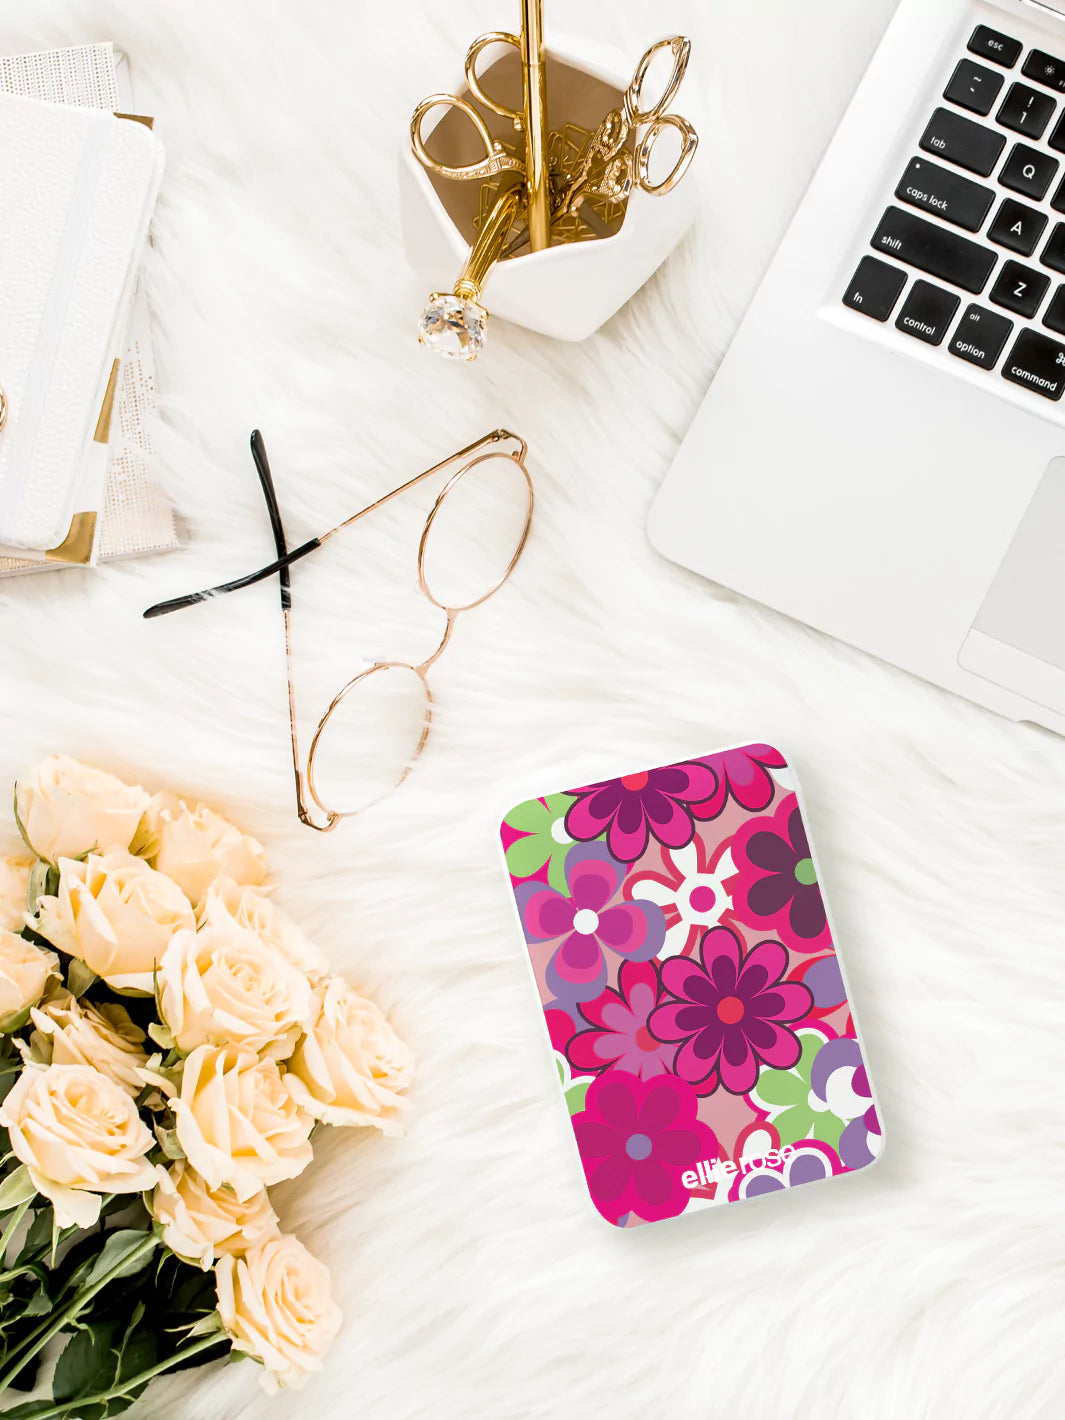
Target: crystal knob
(453,326)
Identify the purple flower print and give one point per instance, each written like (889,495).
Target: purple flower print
(742,775)
(776,888)
(639,807)
(839,1078)
(636,1139)
(730,1013)
(589,919)
(619,1038)
(807,1162)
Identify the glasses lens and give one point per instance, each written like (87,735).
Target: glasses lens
(476,532)
(367,743)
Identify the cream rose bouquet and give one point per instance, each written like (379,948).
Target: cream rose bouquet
(169,1041)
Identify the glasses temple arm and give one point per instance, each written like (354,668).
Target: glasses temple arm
(263,574)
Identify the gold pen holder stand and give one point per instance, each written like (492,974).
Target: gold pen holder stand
(599,258)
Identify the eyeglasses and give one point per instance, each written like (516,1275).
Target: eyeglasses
(480,458)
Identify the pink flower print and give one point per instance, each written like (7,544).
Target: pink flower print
(634,809)
(776,888)
(742,775)
(590,919)
(619,1038)
(689,886)
(636,1139)
(729,1013)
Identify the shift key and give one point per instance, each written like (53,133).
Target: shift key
(932,249)
(961,141)
(956,199)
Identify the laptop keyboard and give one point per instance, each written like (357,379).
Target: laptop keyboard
(970,256)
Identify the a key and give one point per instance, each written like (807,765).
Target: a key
(974,87)
(1037,363)
(1054,319)
(1054,252)
(928,312)
(934,250)
(1029,172)
(1026,111)
(963,142)
(1057,137)
(875,288)
(1017,227)
(999,48)
(981,337)
(1020,289)
(1045,69)
(949,195)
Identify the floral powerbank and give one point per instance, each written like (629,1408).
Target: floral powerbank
(703,1036)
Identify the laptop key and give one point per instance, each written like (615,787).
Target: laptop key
(1020,289)
(949,195)
(1045,69)
(1054,251)
(981,337)
(875,288)
(1017,227)
(928,312)
(934,250)
(974,87)
(1055,312)
(1029,172)
(999,48)
(961,141)
(1026,111)
(1037,363)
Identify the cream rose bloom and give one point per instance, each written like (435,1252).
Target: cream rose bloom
(66,809)
(223,986)
(72,1032)
(25,971)
(276,1304)
(350,1065)
(236,1122)
(80,1136)
(227,900)
(14,892)
(194,846)
(117,915)
(202,1224)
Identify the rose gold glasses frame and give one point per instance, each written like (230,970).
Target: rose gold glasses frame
(306,786)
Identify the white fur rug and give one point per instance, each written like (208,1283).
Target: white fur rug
(474,1278)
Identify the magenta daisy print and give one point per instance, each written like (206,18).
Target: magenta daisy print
(657,804)
(677,932)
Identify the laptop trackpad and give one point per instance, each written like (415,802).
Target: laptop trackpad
(1018,638)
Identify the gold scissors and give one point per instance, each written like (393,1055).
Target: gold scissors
(607,168)
(496,158)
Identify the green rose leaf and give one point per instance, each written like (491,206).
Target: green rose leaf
(17,1188)
(124,1254)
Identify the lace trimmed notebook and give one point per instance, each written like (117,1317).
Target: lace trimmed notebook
(134,519)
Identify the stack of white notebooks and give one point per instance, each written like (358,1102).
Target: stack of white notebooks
(77,365)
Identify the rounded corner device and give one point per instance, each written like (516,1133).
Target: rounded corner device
(690,985)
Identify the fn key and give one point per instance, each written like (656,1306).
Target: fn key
(875,288)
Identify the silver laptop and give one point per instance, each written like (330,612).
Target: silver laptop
(882,452)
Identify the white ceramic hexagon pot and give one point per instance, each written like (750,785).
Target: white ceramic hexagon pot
(570,290)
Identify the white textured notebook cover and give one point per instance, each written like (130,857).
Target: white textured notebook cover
(136,518)
(78,190)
